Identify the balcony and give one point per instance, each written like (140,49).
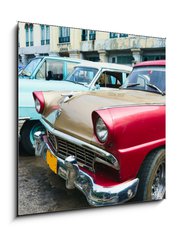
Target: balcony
(123,43)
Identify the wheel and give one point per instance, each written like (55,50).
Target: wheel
(27,135)
(152,177)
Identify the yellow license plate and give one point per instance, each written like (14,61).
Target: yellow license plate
(51,161)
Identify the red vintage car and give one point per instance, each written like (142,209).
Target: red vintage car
(108,144)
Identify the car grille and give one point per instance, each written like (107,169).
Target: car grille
(85,158)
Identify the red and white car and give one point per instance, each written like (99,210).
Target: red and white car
(108,144)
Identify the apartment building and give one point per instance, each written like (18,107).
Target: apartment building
(39,39)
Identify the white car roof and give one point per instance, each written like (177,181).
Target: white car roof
(106,65)
(65,58)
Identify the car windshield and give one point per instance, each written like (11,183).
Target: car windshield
(29,69)
(82,75)
(150,78)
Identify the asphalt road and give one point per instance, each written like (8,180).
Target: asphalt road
(42,191)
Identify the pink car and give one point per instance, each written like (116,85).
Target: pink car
(108,144)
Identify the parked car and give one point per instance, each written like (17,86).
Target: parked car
(86,76)
(108,144)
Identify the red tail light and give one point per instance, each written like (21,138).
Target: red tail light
(39,101)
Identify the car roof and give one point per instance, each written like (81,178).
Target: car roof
(77,60)
(151,63)
(105,65)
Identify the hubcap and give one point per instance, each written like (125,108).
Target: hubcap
(158,186)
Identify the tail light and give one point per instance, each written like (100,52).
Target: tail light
(39,101)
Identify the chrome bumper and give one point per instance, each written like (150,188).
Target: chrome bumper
(75,178)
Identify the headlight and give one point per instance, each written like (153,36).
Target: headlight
(37,105)
(101,130)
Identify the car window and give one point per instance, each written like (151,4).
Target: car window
(110,79)
(41,72)
(51,70)
(82,75)
(30,68)
(147,78)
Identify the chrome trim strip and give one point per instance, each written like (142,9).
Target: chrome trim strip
(111,160)
(95,194)
(132,105)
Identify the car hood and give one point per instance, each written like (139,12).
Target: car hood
(30,85)
(74,117)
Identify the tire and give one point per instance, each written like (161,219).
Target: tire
(152,177)
(27,135)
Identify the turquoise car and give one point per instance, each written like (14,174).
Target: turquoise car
(85,76)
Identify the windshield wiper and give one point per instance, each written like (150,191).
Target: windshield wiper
(155,87)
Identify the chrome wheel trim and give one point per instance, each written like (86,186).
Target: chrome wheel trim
(158,188)
(35,128)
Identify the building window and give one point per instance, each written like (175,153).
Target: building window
(27,34)
(113,35)
(153,57)
(113,59)
(45,35)
(42,35)
(92,35)
(84,35)
(124,59)
(64,34)
(123,35)
(31,34)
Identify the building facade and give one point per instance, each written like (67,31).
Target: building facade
(39,39)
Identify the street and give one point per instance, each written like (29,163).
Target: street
(42,191)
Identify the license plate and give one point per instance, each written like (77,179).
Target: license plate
(51,161)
